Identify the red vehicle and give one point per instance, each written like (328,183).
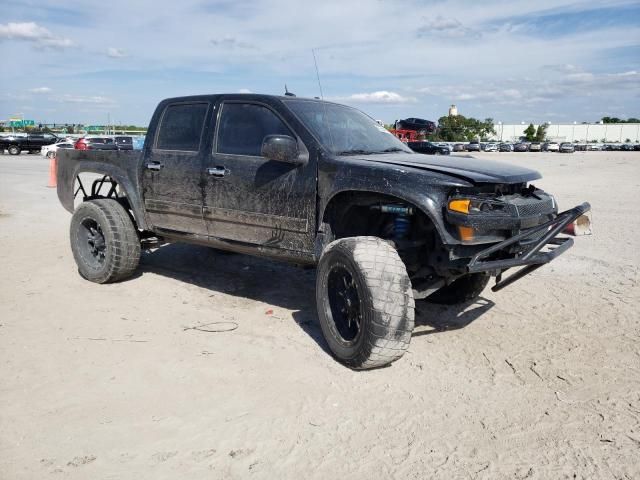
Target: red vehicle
(95,143)
(406,135)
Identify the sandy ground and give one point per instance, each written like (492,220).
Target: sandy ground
(539,381)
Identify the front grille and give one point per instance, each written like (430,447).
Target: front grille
(529,207)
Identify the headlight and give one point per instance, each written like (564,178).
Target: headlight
(472,206)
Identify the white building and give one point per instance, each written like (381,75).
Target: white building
(570,132)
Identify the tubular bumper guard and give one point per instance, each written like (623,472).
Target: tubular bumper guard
(533,258)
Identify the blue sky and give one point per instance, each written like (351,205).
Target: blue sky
(558,61)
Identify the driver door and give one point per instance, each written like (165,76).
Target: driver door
(249,198)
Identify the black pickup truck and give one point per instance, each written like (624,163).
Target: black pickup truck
(31,143)
(321,184)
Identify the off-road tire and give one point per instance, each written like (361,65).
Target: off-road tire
(122,244)
(14,150)
(463,289)
(386,303)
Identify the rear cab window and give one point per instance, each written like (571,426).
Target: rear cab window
(243,126)
(181,127)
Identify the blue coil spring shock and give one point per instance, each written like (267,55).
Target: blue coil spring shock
(401,226)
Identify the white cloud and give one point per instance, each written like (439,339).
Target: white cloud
(113,52)
(244,90)
(34,33)
(381,96)
(526,91)
(40,90)
(562,68)
(91,100)
(445,27)
(231,42)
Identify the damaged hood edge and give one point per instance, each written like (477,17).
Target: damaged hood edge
(468,168)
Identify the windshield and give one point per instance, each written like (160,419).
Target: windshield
(344,130)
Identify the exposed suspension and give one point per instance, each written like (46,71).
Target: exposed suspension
(401,220)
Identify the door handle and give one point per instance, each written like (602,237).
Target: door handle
(217,171)
(154,166)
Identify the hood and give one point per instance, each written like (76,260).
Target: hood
(468,168)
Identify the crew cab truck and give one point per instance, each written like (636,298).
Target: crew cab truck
(31,143)
(314,183)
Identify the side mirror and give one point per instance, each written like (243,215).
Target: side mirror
(280,148)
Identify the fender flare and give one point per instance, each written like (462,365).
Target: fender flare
(423,202)
(66,186)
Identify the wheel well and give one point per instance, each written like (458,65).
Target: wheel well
(352,214)
(102,186)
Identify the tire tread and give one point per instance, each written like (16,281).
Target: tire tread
(391,296)
(125,244)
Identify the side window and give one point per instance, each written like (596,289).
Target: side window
(243,127)
(181,127)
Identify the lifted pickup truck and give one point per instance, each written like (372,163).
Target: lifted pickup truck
(314,183)
(31,143)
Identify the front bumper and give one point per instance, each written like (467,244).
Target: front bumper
(532,257)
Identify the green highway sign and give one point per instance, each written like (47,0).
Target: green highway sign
(21,123)
(94,128)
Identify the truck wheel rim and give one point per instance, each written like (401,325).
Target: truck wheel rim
(95,246)
(344,301)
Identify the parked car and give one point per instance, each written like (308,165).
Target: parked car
(490,147)
(521,147)
(580,147)
(551,147)
(446,145)
(32,143)
(49,151)
(123,142)
(420,125)
(535,147)
(267,178)
(473,147)
(594,147)
(636,147)
(627,147)
(505,147)
(567,147)
(459,147)
(428,148)
(96,143)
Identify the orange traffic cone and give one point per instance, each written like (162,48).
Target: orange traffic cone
(53,169)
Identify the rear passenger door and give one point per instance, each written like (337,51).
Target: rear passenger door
(249,198)
(173,169)
(35,141)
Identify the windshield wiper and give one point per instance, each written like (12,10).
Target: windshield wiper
(393,149)
(371,152)
(355,152)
